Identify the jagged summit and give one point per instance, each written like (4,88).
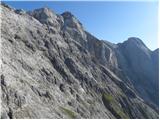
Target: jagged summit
(67,15)
(50,18)
(71,21)
(43,14)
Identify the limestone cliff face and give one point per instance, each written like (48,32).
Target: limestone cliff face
(53,68)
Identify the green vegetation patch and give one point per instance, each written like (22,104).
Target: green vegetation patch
(122,114)
(107,98)
(112,105)
(68,112)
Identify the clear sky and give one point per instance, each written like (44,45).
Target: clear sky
(112,21)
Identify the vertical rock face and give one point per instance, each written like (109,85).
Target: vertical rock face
(53,68)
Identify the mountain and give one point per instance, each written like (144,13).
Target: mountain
(53,68)
(141,66)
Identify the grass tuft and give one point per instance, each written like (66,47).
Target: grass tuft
(68,112)
(108,98)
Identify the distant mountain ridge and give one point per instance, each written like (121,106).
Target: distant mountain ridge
(53,68)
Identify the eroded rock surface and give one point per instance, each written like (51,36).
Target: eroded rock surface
(53,68)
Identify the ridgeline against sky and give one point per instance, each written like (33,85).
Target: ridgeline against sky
(112,21)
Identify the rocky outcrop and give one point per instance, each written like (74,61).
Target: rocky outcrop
(53,68)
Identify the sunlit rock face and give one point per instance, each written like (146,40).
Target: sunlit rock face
(53,68)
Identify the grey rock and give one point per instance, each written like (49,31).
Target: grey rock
(140,67)
(50,62)
(20,11)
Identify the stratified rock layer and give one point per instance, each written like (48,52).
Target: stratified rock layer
(53,68)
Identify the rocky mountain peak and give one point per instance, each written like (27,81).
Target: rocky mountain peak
(42,13)
(45,16)
(53,68)
(67,15)
(134,41)
(71,21)
(136,44)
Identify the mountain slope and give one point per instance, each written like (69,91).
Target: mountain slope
(141,68)
(53,68)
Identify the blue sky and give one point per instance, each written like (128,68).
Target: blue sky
(112,21)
